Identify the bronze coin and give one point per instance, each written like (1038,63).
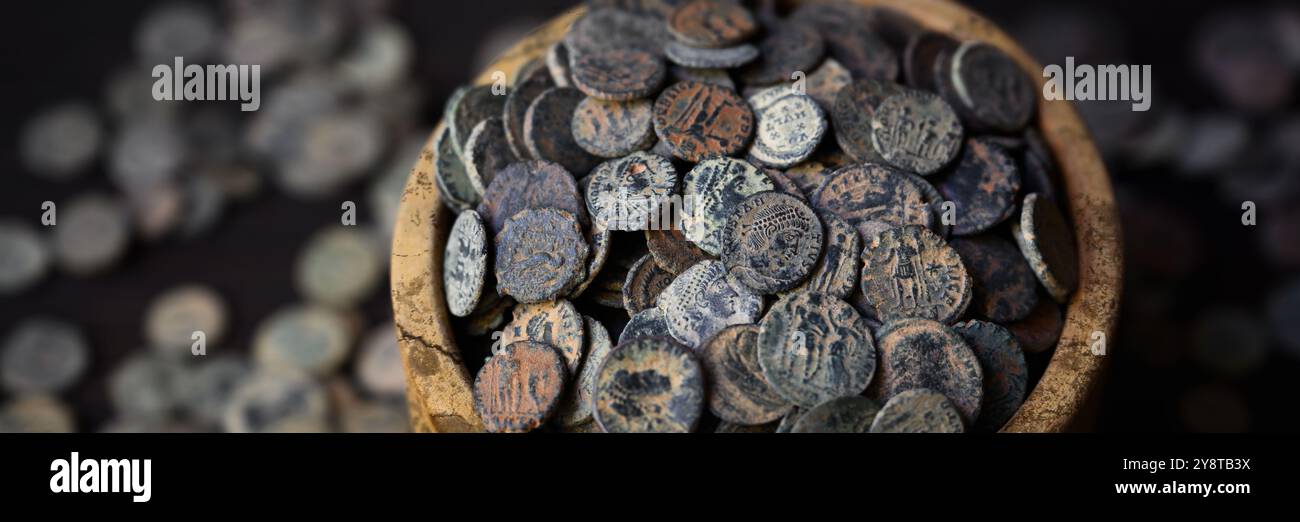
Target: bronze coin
(487,152)
(1039,331)
(610,129)
(467,107)
(916,131)
(983,187)
(703,300)
(698,120)
(836,272)
(519,388)
(711,191)
(825,83)
(910,272)
(771,242)
(784,50)
(610,28)
(839,415)
(785,185)
(854,108)
(711,23)
(557,65)
(645,281)
(464,264)
(1006,376)
(449,173)
(918,411)
(1047,243)
(649,384)
(548,130)
(921,55)
(920,353)
(575,409)
(701,58)
(814,347)
(872,198)
(600,240)
(808,176)
(649,323)
(531,184)
(994,92)
(618,74)
(847,28)
(540,254)
(554,323)
(630,193)
(672,251)
(738,392)
(790,126)
(516,109)
(935,200)
(1003,288)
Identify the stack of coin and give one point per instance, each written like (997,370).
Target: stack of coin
(806,237)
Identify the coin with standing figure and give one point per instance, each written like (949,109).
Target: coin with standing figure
(519,388)
(916,131)
(910,272)
(813,347)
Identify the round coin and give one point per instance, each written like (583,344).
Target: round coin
(520,387)
(703,300)
(60,142)
(701,58)
(711,191)
(672,251)
(487,152)
(340,266)
(42,355)
(548,130)
(554,323)
(540,254)
(785,49)
(1047,243)
(839,415)
(629,193)
(836,271)
(1003,288)
(790,126)
(698,120)
(649,384)
(983,187)
(36,414)
(464,264)
(916,131)
(1006,375)
(307,338)
(771,242)
(648,323)
(146,388)
(610,129)
(611,28)
(918,411)
(645,281)
(1039,331)
(600,240)
(994,91)
(711,23)
(516,108)
(854,109)
(277,402)
(379,362)
(618,74)
(469,106)
(738,392)
(920,353)
(576,407)
(458,191)
(825,83)
(814,347)
(873,198)
(24,257)
(182,316)
(91,235)
(910,272)
(531,185)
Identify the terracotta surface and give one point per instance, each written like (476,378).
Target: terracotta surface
(438,390)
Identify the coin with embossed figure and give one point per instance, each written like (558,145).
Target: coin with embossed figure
(813,347)
(916,131)
(628,193)
(839,415)
(618,74)
(527,89)
(648,323)
(703,300)
(1006,375)
(469,106)
(872,198)
(487,152)
(910,272)
(307,338)
(983,187)
(836,271)
(548,130)
(519,388)
(716,186)
(575,409)
(554,323)
(1003,288)
(610,129)
(649,384)
(454,184)
(702,58)
(531,185)
(785,49)
(711,23)
(698,120)
(42,355)
(1047,243)
(854,109)
(918,411)
(464,264)
(182,316)
(672,251)
(771,242)
(645,281)
(790,126)
(540,254)
(738,392)
(24,257)
(92,234)
(994,92)
(920,353)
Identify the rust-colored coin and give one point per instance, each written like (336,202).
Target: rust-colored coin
(703,300)
(554,323)
(1039,331)
(618,74)
(916,131)
(825,83)
(519,388)
(698,120)
(910,272)
(814,347)
(711,191)
(1006,376)
(1047,243)
(649,384)
(771,242)
(836,272)
(918,411)
(548,130)
(610,129)
(630,193)
(516,108)
(808,176)
(711,23)
(1003,288)
(983,187)
(467,107)
(649,323)
(921,56)
(839,415)
(645,281)
(785,49)
(672,251)
(872,198)
(920,353)
(531,184)
(738,392)
(575,410)
(487,152)
(847,28)
(854,108)
(540,254)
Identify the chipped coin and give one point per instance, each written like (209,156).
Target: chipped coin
(649,384)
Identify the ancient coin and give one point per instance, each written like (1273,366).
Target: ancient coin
(711,191)
(649,384)
(771,242)
(918,411)
(145,387)
(608,28)
(207,391)
(873,198)
(36,414)
(702,58)
(458,191)
(648,323)
(719,77)
(814,347)
(531,185)
(60,142)
(839,415)
(611,129)
(785,49)
(703,300)
(698,120)
(825,83)
(183,316)
(145,153)
(548,130)
(91,235)
(540,254)
(487,152)
(808,176)
(331,152)
(618,74)
(790,419)
(672,251)
(379,362)
(277,402)
(920,353)
(464,264)
(42,355)
(921,56)
(738,392)
(790,126)
(519,388)
(24,257)
(995,93)
(711,23)
(469,106)
(850,40)
(910,272)
(854,109)
(629,193)
(1047,243)
(575,409)
(157,210)
(1003,288)
(308,338)
(938,223)
(490,314)
(600,240)
(373,416)
(784,184)
(983,187)
(554,323)
(836,271)
(557,65)
(916,131)
(1039,331)
(516,108)
(645,281)
(340,266)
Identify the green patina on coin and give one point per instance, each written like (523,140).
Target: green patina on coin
(854,109)
(1047,243)
(649,384)
(464,264)
(790,126)
(814,347)
(738,392)
(1006,375)
(910,272)
(618,74)
(531,185)
(839,415)
(918,411)
(645,281)
(873,198)
(630,193)
(714,188)
(983,187)
(554,323)
(540,254)
(699,120)
(611,129)
(771,242)
(454,185)
(703,300)
(920,353)
(519,388)
(487,152)
(1003,287)
(916,131)
(548,130)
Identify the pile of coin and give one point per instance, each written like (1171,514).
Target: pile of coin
(830,219)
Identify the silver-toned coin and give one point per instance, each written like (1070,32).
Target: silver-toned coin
(487,152)
(378,59)
(467,107)
(184,29)
(813,347)
(916,131)
(703,300)
(701,58)
(790,126)
(610,129)
(716,186)
(36,414)
(306,338)
(458,191)
(205,203)
(277,402)
(649,384)
(379,362)
(146,387)
(24,257)
(650,322)
(145,153)
(627,193)
(340,266)
(771,242)
(918,411)
(91,235)
(540,254)
(576,407)
(464,264)
(43,355)
(910,272)
(60,142)
(209,387)
(175,317)
(851,414)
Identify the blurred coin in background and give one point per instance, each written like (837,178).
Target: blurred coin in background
(177,314)
(379,362)
(43,355)
(36,414)
(185,29)
(145,153)
(60,142)
(277,402)
(92,233)
(306,338)
(211,384)
(24,257)
(340,266)
(145,387)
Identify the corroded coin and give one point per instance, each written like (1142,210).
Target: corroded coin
(1047,243)
(618,74)
(814,347)
(872,198)
(600,240)
(825,83)
(487,152)
(1006,375)
(609,28)
(554,323)
(610,129)
(672,251)
(42,355)
(836,272)
(516,108)
(854,109)
(1003,288)
(738,392)
(645,281)
(557,65)
(24,257)
(340,266)
(702,58)
(649,384)
(995,93)
(703,300)
(1039,331)
(785,185)
(307,338)
(921,56)
(92,234)
(920,353)
(983,187)
(698,120)
(808,176)
(464,264)
(918,411)
(784,50)
(540,254)
(175,319)
(467,107)
(711,23)
(519,388)
(939,224)
(548,130)
(649,323)
(790,126)
(625,250)
(628,193)
(771,242)
(839,415)
(454,184)
(916,131)
(531,185)
(910,272)
(277,402)
(731,427)
(715,187)
(575,409)
(850,38)
(490,314)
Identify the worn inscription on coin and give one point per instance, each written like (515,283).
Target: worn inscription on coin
(910,272)
(672,251)
(698,120)
(548,130)
(836,271)
(785,49)
(1003,288)
(464,264)
(611,129)
(554,323)
(576,407)
(467,107)
(648,323)
(531,184)
(540,254)
(487,152)
(814,347)
(1006,376)
(771,242)
(630,193)
(854,109)
(703,300)
(1047,243)
(916,131)
(920,353)
(519,388)
(711,23)
(872,198)
(738,392)
(717,186)
(454,184)
(918,411)
(618,74)
(645,281)
(839,415)
(649,384)
(993,90)
(790,126)
(983,186)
